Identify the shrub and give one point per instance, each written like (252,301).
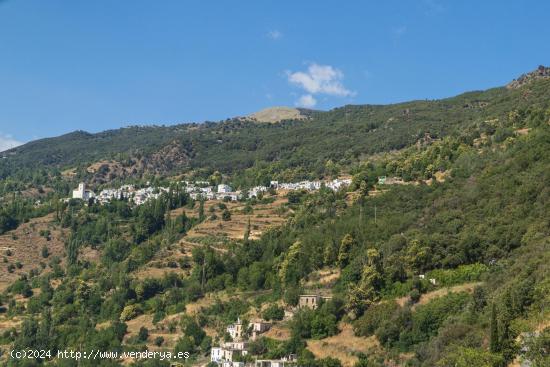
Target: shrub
(415,296)
(45,252)
(462,274)
(273,312)
(371,320)
(143,334)
(428,318)
(129,312)
(467,357)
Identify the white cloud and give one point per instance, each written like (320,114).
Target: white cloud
(319,79)
(8,142)
(274,34)
(322,79)
(307,101)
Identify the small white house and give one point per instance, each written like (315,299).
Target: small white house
(233,196)
(255,191)
(216,354)
(224,188)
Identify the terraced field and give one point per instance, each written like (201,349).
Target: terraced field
(21,249)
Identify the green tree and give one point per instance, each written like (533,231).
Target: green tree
(143,334)
(287,269)
(365,292)
(71,247)
(345,248)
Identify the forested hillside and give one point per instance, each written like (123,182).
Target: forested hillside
(447,266)
(327,142)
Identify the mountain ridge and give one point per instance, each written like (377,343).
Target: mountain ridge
(341,135)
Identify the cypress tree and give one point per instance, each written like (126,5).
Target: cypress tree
(247,230)
(201,210)
(494,345)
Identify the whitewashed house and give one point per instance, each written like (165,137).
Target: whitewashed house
(255,191)
(224,188)
(233,196)
(82,192)
(216,354)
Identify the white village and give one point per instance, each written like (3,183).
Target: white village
(200,190)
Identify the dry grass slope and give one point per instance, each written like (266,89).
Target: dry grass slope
(343,346)
(24,245)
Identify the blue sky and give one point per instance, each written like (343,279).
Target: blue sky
(102,64)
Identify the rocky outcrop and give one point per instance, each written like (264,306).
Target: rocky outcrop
(542,72)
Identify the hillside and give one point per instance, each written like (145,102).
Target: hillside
(436,254)
(290,149)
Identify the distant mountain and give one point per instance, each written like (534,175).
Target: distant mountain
(277,114)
